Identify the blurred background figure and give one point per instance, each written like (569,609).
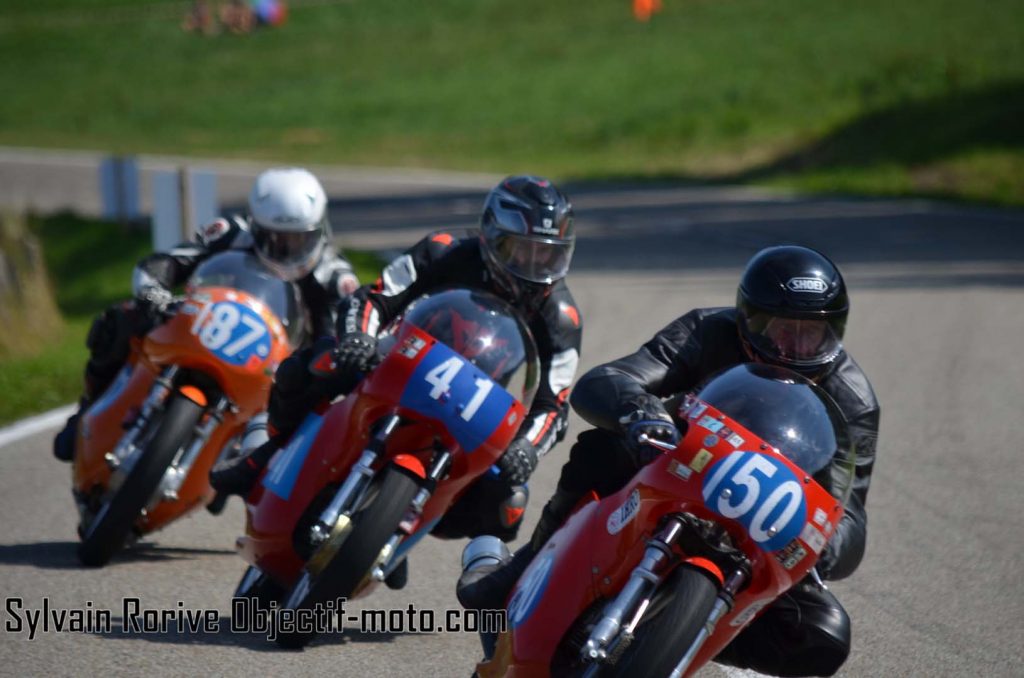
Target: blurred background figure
(270,12)
(237,17)
(199,19)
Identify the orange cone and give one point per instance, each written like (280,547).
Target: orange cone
(643,9)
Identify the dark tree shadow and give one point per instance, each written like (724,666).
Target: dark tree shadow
(914,133)
(60,555)
(224,636)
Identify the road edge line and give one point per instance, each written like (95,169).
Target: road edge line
(29,426)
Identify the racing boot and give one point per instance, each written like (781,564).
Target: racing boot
(487,577)
(555,512)
(510,512)
(239,474)
(99,374)
(399,577)
(64,442)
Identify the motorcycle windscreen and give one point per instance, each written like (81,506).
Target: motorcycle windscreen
(484,330)
(792,414)
(241,270)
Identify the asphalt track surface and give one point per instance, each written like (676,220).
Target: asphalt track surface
(937,321)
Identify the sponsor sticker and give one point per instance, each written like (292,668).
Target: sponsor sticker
(412,347)
(819,517)
(725,432)
(697,410)
(711,424)
(749,613)
(711,440)
(813,537)
(621,516)
(700,460)
(735,440)
(677,469)
(792,554)
(828,529)
(813,285)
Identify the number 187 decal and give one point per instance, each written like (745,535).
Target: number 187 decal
(232,331)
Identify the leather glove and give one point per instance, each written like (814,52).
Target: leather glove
(357,352)
(154,300)
(518,462)
(645,414)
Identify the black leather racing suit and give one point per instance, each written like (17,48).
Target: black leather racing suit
(160,272)
(806,632)
(445,259)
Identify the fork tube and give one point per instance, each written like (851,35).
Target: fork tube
(722,605)
(357,479)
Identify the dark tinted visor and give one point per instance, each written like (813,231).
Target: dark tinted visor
(795,341)
(534,259)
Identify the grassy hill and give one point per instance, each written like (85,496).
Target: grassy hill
(921,96)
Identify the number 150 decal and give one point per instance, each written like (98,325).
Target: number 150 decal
(761,493)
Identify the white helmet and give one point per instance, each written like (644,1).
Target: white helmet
(288,210)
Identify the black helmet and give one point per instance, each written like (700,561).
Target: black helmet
(791,308)
(527,236)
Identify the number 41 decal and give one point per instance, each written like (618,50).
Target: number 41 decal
(440,378)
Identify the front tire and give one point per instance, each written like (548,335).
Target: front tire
(372,527)
(106,534)
(662,639)
(256,584)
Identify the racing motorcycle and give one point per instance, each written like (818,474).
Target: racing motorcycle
(363,480)
(144,449)
(656,579)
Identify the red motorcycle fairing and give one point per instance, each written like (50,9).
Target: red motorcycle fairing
(339,440)
(592,556)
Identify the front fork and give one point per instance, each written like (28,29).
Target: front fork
(614,631)
(176,473)
(123,457)
(337,517)
(335,522)
(386,562)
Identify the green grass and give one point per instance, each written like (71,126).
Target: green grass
(90,264)
(923,96)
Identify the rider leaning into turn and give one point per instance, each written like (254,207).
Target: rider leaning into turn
(521,254)
(791,311)
(287,229)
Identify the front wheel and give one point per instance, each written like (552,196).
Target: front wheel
(372,527)
(110,526)
(662,639)
(255,584)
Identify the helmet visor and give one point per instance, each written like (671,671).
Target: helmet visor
(291,254)
(793,341)
(534,259)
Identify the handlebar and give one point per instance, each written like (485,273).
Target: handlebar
(645,439)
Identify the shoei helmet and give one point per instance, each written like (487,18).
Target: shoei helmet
(791,309)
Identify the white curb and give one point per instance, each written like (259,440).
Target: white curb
(32,425)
